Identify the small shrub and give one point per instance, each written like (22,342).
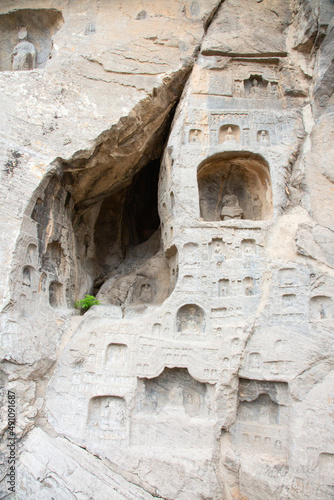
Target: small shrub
(86,303)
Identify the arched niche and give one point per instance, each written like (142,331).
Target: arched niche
(27,278)
(53,260)
(229,134)
(39,26)
(321,308)
(234,185)
(190,319)
(56,294)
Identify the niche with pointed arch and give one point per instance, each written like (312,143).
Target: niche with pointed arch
(235,185)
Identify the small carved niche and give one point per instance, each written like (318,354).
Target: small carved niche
(28,276)
(26,38)
(254,361)
(53,261)
(229,134)
(223,288)
(107,413)
(289,302)
(31,254)
(248,247)
(255,86)
(191,253)
(144,291)
(326,466)
(217,249)
(263,138)
(190,319)
(234,186)
(37,212)
(249,286)
(116,356)
(195,136)
(156,330)
(238,89)
(321,308)
(56,294)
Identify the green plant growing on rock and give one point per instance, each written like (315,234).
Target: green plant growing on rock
(86,303)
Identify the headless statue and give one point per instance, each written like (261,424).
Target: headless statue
(231,208)
(24,53)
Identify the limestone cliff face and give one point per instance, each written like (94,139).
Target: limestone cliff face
(176,160)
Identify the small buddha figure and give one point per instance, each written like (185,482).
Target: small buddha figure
(195,137)
(255,89)
(274,90)
(231,208)
(263,139)
(24,53)
(238,87)
(229,137)
(145,292)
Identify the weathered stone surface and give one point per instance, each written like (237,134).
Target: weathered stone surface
(256,30)
(174,159)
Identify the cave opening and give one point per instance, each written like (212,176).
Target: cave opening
(102,211)
(140,212)
(126,220)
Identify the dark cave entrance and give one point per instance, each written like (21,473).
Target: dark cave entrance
(127,219)
(140,212)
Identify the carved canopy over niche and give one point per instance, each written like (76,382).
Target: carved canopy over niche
(234,185)
(27,30)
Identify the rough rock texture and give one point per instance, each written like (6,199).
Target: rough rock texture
(176,160)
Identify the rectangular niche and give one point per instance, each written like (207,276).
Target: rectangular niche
(27,30)
(262,421)
(173,411)
(107,417)
(116,356)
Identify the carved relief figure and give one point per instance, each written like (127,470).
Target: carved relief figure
(238,88)
(229,137)
(195,136)
(231,208)
(249,286)
(263,138)
(257,208)
(24,53)
(274,89)
(223,287)
(116,354)
(175,397)
(145,292)
(255,89)
(27,276)
(321,307)
(228,188)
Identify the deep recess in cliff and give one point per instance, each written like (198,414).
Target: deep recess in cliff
(176,160)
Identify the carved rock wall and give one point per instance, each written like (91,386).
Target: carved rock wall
(176,161)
